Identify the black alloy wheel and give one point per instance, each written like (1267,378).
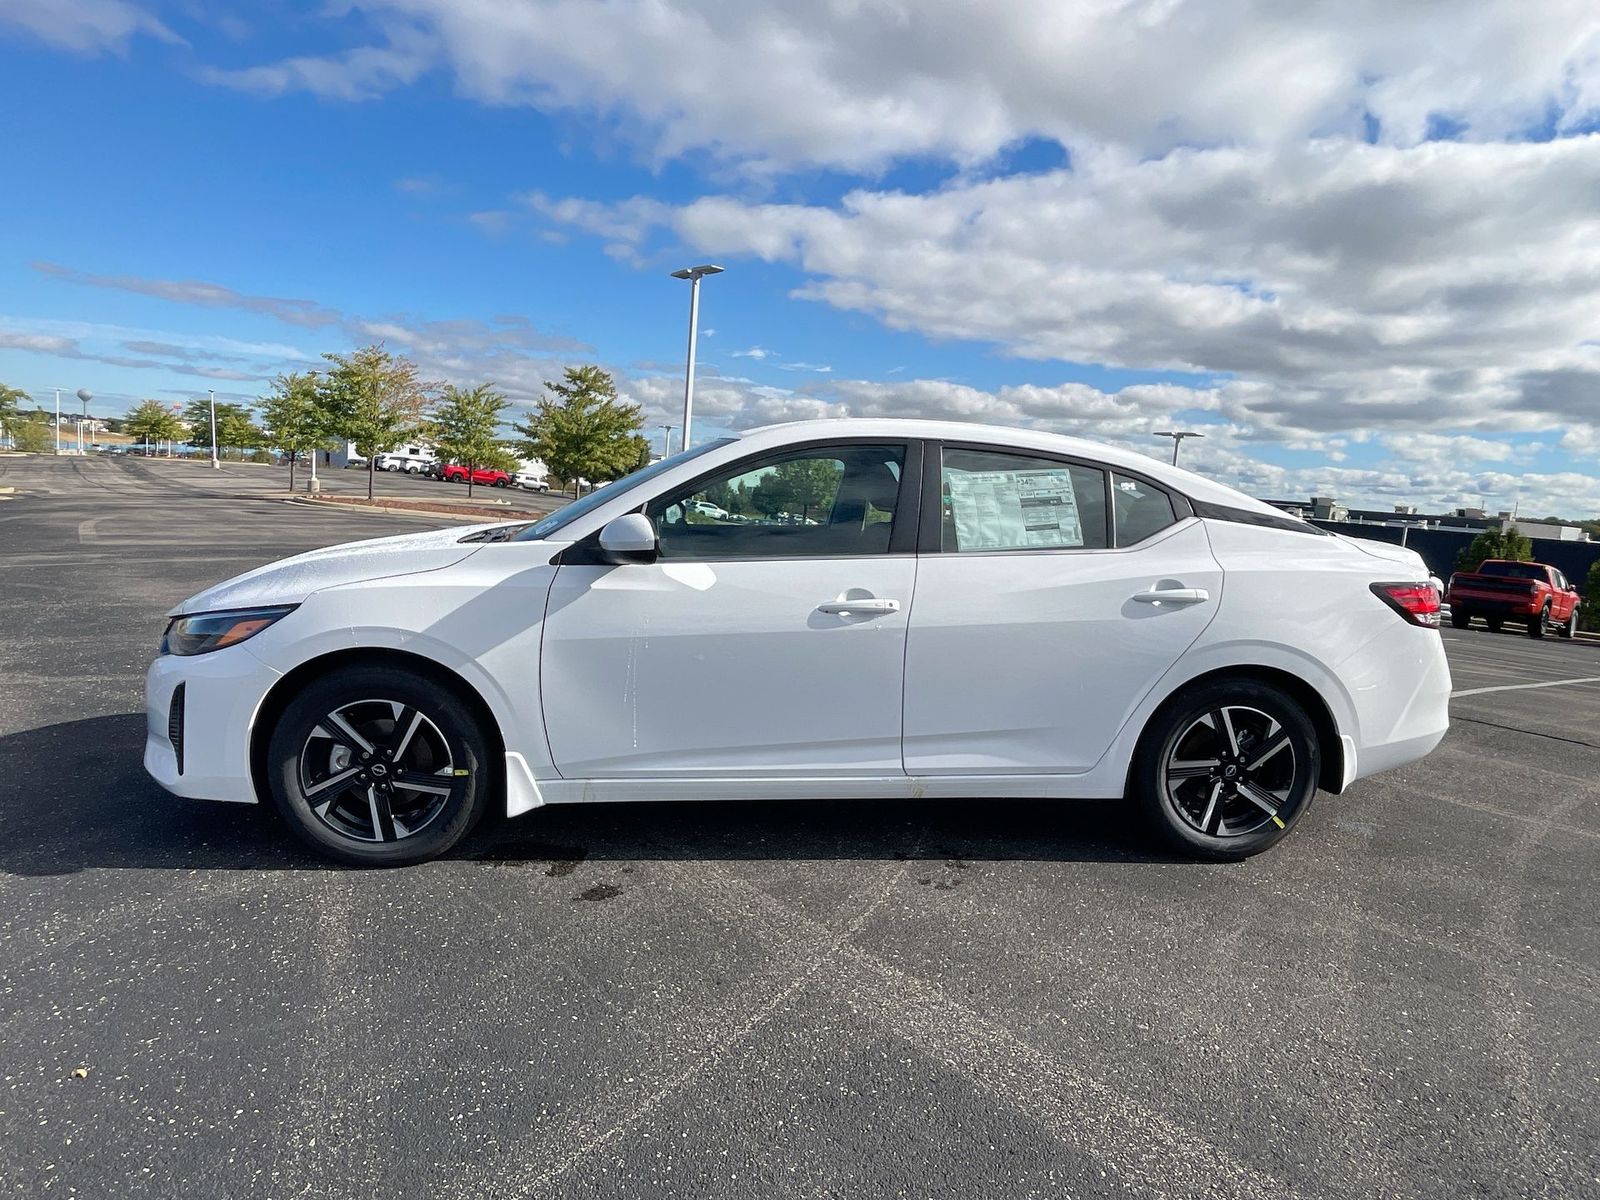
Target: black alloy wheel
(1226,770)
(379,767)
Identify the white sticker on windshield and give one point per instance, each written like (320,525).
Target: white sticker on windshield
(1014,510)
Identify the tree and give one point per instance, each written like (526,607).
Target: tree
(292,417)
(465,426)
(372,399)
(800,483)
(151,421)
(1591,597)
(10,407)
(31,434)
(582,430)
(1491,543)
(234,425)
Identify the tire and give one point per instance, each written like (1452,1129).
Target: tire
(1460,620)
(1494,623)
(1203,812)
(500,483)
(434,731)
(1569,628)
(1536,625)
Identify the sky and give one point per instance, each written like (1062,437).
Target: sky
(1355,244)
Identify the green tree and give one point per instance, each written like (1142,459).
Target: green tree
(1491,543)
(465,428)
(374,400)
(1591,597)
(151,421)
(31,434)
(799,484)
(292,418)
(10,407)
(237,428)
(582,429)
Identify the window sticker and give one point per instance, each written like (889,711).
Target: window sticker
(1014,510)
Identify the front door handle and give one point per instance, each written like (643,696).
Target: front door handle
(859,608)
(1173,596)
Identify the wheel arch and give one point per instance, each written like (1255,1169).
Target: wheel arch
(1330,745)
(285,688)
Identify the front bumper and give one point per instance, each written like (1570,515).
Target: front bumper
(222,692)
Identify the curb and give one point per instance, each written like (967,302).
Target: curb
(464,518)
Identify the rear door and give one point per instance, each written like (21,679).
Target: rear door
(1052,594)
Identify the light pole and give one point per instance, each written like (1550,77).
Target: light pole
(666,448)
(694,275)
(215,465)
(1177,436)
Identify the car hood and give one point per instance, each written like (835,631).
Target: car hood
(291,580)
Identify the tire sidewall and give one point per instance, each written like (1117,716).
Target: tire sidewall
(1175,717)
(454,719)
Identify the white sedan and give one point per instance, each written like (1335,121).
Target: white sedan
(967,612)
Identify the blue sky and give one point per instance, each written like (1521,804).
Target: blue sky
(1366,274)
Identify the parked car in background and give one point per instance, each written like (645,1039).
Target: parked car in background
(975,612)
(355,460)
(532,481)
(1535,595)
(485,476)
(413,460)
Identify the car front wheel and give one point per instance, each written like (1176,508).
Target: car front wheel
(376,766)
(1224,771)
(1570,628)
(1460,620)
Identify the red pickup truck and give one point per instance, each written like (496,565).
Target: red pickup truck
(456,473)
(1500,590)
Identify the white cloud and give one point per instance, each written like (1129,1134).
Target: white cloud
(85,26)
(755,352)
(858,85)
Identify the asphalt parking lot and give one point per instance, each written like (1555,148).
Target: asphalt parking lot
(763,1000)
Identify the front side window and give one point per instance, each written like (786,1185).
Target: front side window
(1142,509)
(993,501)
(833,501)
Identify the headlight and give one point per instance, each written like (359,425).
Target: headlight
(203,632)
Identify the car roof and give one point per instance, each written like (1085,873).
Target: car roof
(1197,487)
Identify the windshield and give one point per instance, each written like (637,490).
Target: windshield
(1514,570)
(604,495)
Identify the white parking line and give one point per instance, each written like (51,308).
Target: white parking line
(1517,687)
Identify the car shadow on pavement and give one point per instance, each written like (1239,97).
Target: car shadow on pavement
(74,796)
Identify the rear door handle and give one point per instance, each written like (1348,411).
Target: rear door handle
(1173,596)
(858,608)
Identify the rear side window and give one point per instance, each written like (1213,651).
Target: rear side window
(992,501)
(1141,509)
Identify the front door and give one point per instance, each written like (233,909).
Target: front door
(768,640)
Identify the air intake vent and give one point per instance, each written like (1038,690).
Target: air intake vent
(175,723)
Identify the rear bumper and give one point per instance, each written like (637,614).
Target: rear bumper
(1402,700)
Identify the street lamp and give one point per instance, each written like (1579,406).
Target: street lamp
(1177,436)
(215,465)
(666,448)
(694,275)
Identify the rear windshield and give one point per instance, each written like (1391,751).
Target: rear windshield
(1514,570)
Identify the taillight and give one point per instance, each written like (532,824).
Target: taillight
(1416,602)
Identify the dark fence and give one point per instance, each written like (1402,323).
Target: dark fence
(1439,547)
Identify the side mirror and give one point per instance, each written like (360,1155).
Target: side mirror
(630,538)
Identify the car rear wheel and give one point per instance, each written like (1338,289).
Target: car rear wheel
(379,767)
(1538,624)
(1224,771)
(1460,620)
